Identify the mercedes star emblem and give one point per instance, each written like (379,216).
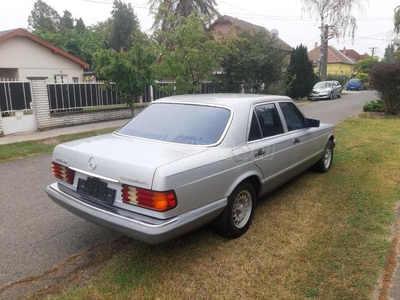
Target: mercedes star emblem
(92,164)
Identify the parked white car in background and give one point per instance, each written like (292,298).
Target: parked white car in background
(186,161)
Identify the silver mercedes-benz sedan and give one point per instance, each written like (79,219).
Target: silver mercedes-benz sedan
(187,161)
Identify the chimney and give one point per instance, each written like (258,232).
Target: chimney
(344,51)
(315,45)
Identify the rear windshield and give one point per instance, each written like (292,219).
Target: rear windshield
(354,80)
(179,123)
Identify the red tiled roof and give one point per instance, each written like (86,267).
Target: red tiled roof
(334,56)
(354,54)
(251,28)
(8,34)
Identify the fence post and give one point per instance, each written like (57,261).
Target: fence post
(151,93)
(40,100)
(1,126)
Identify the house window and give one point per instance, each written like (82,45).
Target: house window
(61,78)
(75,79)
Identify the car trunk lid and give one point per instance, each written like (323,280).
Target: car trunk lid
(127,160)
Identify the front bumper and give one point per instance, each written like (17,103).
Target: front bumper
(139,227)
(318,96)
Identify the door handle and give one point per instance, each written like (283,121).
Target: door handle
(260,152)
(296,141)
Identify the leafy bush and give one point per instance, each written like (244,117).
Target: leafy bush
(341,78)
(376,106)
(385,78)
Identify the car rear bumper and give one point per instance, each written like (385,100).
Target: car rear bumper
(143,228)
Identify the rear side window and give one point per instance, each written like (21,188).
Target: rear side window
(179,123)
(265,122)
(293,117)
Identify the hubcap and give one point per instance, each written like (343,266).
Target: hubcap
(242,209)
(328,157)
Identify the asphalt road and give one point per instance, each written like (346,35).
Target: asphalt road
(36,234)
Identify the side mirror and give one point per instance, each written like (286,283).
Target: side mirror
(312,123)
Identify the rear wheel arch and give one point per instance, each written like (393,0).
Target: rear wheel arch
(253,179)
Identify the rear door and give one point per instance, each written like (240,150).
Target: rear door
(271,148)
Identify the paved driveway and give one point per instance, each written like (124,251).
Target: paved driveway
(36,234)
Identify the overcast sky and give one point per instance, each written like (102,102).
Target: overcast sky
(375,24)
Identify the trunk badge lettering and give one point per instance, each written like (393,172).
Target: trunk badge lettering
(62,160)
(134,180)
(92,164)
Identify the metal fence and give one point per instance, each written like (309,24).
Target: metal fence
(155,92)
(68,97)
(14,95)
(64,97)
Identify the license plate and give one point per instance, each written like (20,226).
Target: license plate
(96,189)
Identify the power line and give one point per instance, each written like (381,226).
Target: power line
(135,5)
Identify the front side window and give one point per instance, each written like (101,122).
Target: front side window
(179,123)
(293,117)
(265,122)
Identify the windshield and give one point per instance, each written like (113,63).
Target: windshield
(323,84)
(179,123)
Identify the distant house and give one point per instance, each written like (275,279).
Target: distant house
(353,54)
(226,25)
(338,63)
(24,55)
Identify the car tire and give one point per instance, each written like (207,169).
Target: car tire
(325,162)
(331,96)
(236,218)
(340,94)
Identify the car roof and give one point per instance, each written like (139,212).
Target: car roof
(223,99)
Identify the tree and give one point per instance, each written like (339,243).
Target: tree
(252,60)
(385,78)
(397,19)
(365,65)
(44,18)
(80,25)
(189,55)
(130,71)
(124,25)
(161,9)
(66,21)
(301,71)
(336,16)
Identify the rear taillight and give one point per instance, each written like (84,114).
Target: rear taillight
(160,201)
(63,173)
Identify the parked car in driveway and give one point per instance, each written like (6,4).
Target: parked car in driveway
(326,90)
(354,84)
(189,160)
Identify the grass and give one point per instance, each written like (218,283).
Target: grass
(317,237)
(40,147)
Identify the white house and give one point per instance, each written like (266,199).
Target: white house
(23,55)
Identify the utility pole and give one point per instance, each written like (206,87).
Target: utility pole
(373,51)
